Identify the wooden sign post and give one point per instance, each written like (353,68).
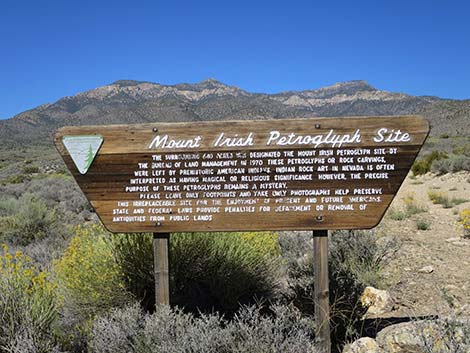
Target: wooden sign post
(321,289)
(161,268)
(287,174)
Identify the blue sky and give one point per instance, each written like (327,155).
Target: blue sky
(51,49)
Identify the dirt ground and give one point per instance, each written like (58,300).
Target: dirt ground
(430,274)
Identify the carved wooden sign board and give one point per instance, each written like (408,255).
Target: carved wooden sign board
(289,174)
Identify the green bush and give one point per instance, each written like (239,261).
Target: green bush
(129,330)
(134,255)
(442,198)
(28,311)
(63,195)
(88,277)
(8,207)
(453,164)
(30,169)
(411,208)
(463,149)
(355,261)
(396,214)
(438,197)
(16,179)
(208,271)
(61,202)
(422,224)
(423,165)
(362,254)
(32,220)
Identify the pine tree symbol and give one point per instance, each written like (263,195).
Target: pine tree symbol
(89,158)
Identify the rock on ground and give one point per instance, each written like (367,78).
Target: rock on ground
(376,300)
(362,345)
(400,338)
(424,336)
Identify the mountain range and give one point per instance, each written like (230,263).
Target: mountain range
(126,102)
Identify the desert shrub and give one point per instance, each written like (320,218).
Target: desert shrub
(412,205)
(363,254)
(208,271)
(285,330)
(47,243)
(33,220)
(30,169)
(422,224)
(134,255)
(8,206)
(45,251)
(438,197)
(457,201)
(116,331)
(423,165)
(355,261)
(43,247)
(62,194)
(27,306)
(12,190)
(460,163)
(223,270)
(57,189)
(16,179)
(396,214)
(129,330)
(464,220)
(88,277)
(420,167)
(56,193)
(443,199)
(463,149)
(452,164)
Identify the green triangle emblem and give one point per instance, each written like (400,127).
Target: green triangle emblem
(83,149)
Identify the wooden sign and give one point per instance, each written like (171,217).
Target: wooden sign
(295,174)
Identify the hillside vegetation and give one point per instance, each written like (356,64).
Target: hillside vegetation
(68,285)
(140,102)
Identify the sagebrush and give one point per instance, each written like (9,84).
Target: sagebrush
(208,271)
(167,330)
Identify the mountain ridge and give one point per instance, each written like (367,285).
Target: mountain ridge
(131,101)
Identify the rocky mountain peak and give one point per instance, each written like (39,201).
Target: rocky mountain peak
(356,85)
(348,88)
(131,101)
(207,85)
(128,83)
(131,92)
(211,83)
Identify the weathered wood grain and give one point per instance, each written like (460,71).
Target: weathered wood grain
(321,289)
(161,268)
(124,146)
